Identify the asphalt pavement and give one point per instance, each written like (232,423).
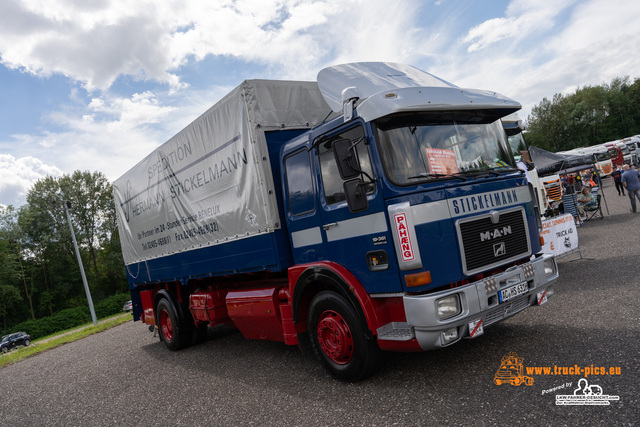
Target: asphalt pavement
(125,376)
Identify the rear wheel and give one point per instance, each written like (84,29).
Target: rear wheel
(338,338)
(174,336)
(27,342)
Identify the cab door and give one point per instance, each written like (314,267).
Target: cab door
(304,220)
(359,239)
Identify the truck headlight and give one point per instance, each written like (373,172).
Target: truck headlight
(448,307)
(550,267)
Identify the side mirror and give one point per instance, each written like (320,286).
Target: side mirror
(346,159)
(356,193)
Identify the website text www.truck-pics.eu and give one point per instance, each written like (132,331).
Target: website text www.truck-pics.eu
(573,370)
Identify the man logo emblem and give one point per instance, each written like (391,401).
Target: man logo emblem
(499,249)
(507,309)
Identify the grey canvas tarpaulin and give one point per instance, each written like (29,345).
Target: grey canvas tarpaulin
(212,182)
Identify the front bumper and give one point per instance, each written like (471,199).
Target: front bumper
(479,305)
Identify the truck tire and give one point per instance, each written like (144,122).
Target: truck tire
(338,338)
(174,336)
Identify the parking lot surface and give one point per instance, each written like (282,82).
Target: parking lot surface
(126,376)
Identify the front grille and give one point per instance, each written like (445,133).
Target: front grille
(506,309)
(486,244)
(554,191)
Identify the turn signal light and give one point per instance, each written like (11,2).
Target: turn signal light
(418,279)
(541,241)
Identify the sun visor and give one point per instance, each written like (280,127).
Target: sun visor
(422,99)
(369,78)
(384,88)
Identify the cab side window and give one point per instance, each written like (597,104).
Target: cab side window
(300,183)
(332,183)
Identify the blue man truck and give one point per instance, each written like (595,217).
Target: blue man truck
(378,209)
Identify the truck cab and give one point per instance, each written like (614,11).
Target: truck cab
(418,197)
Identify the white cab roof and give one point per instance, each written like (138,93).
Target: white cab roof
(384,88)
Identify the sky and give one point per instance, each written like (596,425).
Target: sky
(96,85)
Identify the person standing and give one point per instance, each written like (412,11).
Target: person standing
(631,181)
(616,175)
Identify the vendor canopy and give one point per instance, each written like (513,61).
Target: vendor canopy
(547,163)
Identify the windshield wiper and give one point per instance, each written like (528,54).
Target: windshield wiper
(486,172)
(494,172)
(437,175)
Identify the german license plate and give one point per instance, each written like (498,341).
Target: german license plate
(513,291)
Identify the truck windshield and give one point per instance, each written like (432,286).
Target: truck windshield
(517,144)
(601,157)
(442,145)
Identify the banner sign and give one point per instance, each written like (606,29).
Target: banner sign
(560,235)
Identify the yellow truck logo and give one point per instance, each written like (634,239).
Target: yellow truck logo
(511,371)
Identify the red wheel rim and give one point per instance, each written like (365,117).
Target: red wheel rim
(334,337)
(166,325)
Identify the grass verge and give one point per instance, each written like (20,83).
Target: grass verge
(50,342)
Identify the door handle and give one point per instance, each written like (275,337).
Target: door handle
(328,226)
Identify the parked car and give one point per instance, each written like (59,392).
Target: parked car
(127,306)
(11,341)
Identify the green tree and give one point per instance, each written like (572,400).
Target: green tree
(9,277)
(37,256)
(48,237)
(13,235)
(47,240)
(91,199)
(592,115)
(9,298)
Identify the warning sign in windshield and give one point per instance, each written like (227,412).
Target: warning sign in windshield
(442,161)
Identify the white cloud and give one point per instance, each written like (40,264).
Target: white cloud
(524,18)
(111,136)
(91,42)
(616,21)
(540,48)
(17,175)
(96,42)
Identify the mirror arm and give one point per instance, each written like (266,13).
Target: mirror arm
(358,169)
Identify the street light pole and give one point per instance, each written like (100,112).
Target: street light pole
(65,206)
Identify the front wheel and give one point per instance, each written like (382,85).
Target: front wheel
(338,338)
